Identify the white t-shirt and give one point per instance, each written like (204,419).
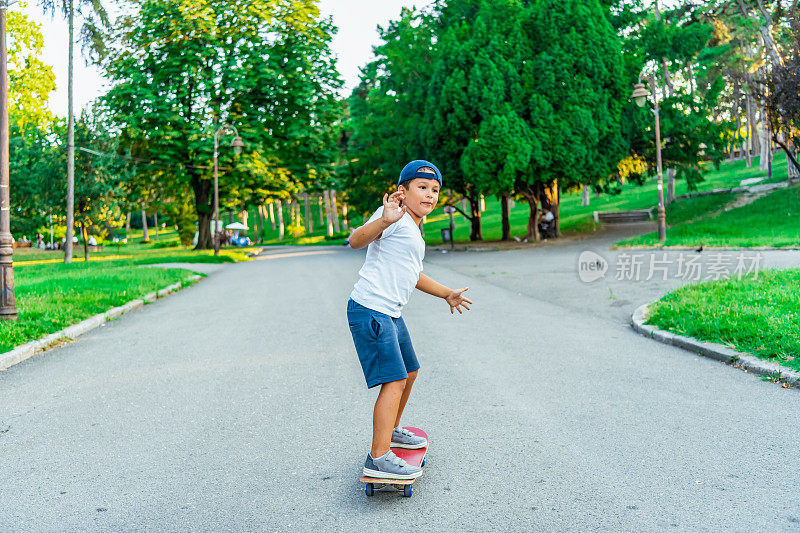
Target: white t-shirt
(549,216)
(391,269)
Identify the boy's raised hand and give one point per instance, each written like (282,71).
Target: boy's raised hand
(392,212)
(456,300)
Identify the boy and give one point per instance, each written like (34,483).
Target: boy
(391,271)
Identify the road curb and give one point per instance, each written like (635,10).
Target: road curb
(29,349)
(712,350)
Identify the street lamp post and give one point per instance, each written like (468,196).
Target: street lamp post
(640,95)
(8,304)
(237,145)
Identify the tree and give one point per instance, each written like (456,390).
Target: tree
(95,19)
(31,81)
(573,89)
(97,186)
(678,47)
(518,103)
(384,115)
(453,114)
(503,145)
(763,33)
(35,176)
(183,68)
(33,162)
(782,100)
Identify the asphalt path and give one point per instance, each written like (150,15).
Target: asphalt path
(239,404)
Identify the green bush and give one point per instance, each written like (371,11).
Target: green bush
(166,244)
(296,230)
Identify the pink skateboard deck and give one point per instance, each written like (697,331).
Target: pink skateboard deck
(412,457)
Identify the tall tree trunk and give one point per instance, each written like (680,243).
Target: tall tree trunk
(739,141)
(128,226)
(475,233)
(260,222)
(85,242)
(766,34)
(70,141)
(272,214)
(204,208)
(585,195)
(749,142)
(144,224)
(279,208)
(334,210)
(766,143)
(328,216)
(670,186)
(791,162)
(321,214)
(532,197)
(307,211)
(506,226)
(155,223)
(792,165)
(344,217)
(245,216)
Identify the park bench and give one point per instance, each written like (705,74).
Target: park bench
(623,217)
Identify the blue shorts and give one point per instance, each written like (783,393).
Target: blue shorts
(383,344)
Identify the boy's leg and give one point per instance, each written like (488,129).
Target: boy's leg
(384,416)
(404,398)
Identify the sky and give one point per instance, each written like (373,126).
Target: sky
(357,21)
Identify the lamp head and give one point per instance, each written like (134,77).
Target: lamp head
(237,145)
(640,94)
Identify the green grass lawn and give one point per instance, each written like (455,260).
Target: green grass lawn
(574,217)
(166,250)
(52,295)
(773,220)
(757,314)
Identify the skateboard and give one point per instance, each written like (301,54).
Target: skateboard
(412,457)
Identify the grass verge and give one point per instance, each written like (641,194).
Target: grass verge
(758,314)
(773,220)
(52,295)
(51,298)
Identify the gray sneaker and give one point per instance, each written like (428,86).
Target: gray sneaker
(403,438)
(390,466)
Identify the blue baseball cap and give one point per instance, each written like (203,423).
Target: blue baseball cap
(411,171)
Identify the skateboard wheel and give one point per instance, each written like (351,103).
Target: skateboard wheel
(369,489)
(407,491)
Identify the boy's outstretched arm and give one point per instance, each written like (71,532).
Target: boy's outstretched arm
(453,298)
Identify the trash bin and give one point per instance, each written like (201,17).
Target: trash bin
(446,235)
